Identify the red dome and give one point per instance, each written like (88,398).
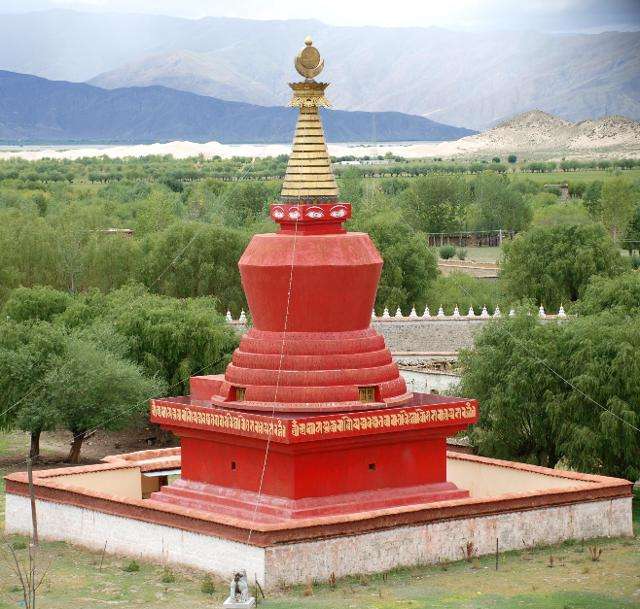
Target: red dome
(311,347)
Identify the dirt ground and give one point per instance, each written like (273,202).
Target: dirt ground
(54,446)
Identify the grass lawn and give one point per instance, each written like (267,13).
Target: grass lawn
(482,254)
(82,579)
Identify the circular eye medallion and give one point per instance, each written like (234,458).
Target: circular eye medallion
(315,213)
(294,213)
(339,211)
(278,213)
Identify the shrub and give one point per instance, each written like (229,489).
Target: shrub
(208,586)
(635,262)
(461,253)
(512,158)
(132,567)
(447,251)
(168,576)
(465,291)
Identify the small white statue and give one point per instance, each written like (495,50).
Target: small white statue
(239,592)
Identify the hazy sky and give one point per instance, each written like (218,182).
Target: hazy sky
(546,15)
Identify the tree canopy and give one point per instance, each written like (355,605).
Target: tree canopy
(620,294)
(552,265)
(530,414)
(195,259)
(617,203)
(93,388)
(126,346)
(409,265)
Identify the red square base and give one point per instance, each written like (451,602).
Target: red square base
(274,468)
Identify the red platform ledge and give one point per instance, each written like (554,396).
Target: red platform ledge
(424,411)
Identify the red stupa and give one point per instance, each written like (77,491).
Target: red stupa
(311,417)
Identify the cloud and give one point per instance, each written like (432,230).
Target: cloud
(547,15)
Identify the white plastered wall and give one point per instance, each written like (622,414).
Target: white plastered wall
(350,554)
(486,480)
(91,529)
(431,543)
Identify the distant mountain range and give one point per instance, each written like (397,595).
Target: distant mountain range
(537,132)
(474,79)
(37,110)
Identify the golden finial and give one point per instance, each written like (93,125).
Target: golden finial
(308,61)
(309,175)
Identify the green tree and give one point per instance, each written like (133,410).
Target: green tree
(28,353)
(30,253)
(498,205)
(170,338)
(244,203)
(632,235)
(194,259)
(598,355)
(512,158)
(110,261)
(620,294)
(531,414)
(157,212)
(94,388)
(436,203)
(552,265)
(503,372)
(592,198)
(409,265)
(618,205)
(351,186)
(38,303)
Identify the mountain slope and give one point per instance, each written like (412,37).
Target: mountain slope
(35,109)
(536,131)
(464,78)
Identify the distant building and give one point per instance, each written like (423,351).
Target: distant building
(366,162)
(125,232)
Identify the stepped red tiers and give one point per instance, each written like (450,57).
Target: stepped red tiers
(316,384)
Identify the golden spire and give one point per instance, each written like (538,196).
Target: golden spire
(309,175)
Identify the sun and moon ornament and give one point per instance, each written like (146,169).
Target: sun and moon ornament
(309,93)
(308,61)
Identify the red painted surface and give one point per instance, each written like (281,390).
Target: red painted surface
(292,391)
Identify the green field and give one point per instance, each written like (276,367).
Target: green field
(558,577)
(582,175)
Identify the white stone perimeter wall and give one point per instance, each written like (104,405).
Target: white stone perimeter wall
(145,540)
(444,541)
(424,336)
(297,562)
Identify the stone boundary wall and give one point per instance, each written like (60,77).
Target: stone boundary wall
(293,563)
(436,542)
(418,337)
(91,528)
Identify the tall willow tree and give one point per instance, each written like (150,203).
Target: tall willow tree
(93,388)
(553,265)
(553,392)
